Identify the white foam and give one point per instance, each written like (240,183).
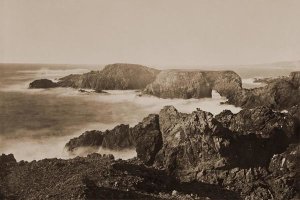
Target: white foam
(250,83)
(30,148)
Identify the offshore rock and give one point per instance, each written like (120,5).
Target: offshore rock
(117,76)
(193,84)
(43,83)
(179,84)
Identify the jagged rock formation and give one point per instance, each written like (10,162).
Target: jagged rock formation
(43,83)
(280,93)
(113,77)
(261,121)
(145,137)
(233,151)
(193,84)
(98,177)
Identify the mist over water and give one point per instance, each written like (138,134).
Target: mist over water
(37,123)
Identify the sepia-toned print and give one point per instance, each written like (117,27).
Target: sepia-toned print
(140,99)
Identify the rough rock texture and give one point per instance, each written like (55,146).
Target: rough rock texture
(99,177)
(193,84)
(145,137)
(280,93)
(262,121)
(192,141)
(179,84)
(43,83)
(224,82)
(232,151)
(113,77)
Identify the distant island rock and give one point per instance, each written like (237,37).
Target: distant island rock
(113,77)
(193,84)
(278,93)
(43,83)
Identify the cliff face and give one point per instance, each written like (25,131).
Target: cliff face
(179,84)
(193,84)
(112,77)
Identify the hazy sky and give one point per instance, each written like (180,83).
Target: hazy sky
(155,32)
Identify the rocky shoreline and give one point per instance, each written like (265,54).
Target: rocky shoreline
(253,154)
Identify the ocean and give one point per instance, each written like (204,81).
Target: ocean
(37,123)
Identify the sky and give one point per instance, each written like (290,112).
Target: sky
(150,32)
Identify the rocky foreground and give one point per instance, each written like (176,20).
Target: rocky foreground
(117,76)
(253,154)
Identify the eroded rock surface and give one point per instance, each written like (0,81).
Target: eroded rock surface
(99,177)
(145,137)
(233,151)
(193,84)
(280,93)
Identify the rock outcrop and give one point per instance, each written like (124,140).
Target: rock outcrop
(179,84)
(113,77)
(193,84)
(117,76)
(145,137)
(233,151)
(99,177)
(280,93)
(43,83)
(261,121)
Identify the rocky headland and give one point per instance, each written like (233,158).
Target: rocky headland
(279,93)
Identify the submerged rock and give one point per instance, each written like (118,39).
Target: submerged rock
(43,83)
